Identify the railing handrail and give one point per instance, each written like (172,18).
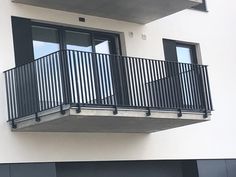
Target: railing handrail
(95,53)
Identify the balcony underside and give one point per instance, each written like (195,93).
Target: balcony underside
(103,120)
(137,11)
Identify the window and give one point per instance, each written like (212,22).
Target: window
(184,75)
(78,41)
(49,38)
(201,6)
(180,51)
(186,53)
(38,40)
(45,41)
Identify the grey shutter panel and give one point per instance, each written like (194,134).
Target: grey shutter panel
(22,38)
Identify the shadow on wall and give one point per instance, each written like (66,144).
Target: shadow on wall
(78,146)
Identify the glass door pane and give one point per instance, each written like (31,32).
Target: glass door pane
(45,41)
(78,41)
(80,67)
(185,55)
(103,48)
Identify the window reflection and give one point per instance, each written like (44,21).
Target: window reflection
(45,41)
(78,41)
(184,54)
(102,46)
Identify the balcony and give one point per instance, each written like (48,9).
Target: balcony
(136,11)
(74,91)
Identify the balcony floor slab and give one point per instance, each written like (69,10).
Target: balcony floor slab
(101,120)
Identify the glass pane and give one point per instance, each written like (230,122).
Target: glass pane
(78,41)
(81,66)
(45,41)
(184,54)
(102,46)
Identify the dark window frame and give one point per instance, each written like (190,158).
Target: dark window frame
(177,43)
(201,7)
(115,37)
(193,50)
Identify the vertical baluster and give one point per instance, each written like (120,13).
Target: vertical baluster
(71,75)
(157,83)
(50,79)
(8,96)
(113,81)
(184,86)
(45,83)
(141,83)
(204,88)
(91,76)
(210,106)
(100,78)
(33,87)
(196,80)
(75,64)
(59,78)
(165,88)
(109,83)
(180,85)
(47,61)
(132,82)
(19,100)
(28,86)
(87,77)
(174,87)
(136,80)
(105,70)
(80,71)
(39,84)
(193,83)
(11,95)
(84,91)
(161,86)
(152,72)
(54,82)
(188,87)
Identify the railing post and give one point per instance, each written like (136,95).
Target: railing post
(65,77)
(78,110)
(148,113)
(13,124)
(95,59)
(180,113)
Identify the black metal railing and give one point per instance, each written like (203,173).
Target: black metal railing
(81,79)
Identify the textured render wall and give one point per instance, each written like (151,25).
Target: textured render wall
(215,139)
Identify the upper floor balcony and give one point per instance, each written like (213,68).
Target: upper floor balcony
(137,11)
(76,91)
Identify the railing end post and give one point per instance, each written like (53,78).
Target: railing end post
(180,114)
(13,125)
(78,110)
(63,112)
(115,112)
(37,118)
(148,113)
(205,116)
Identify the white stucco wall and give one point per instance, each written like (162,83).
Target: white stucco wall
(214,31)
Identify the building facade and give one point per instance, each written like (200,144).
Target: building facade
(117,88)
